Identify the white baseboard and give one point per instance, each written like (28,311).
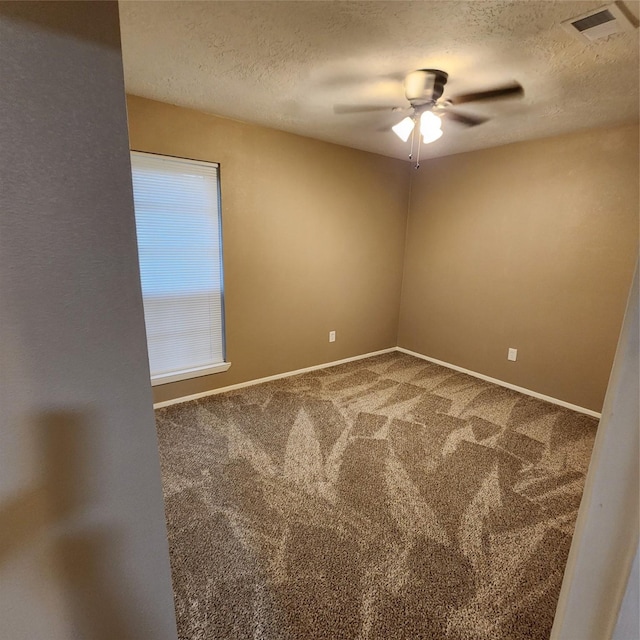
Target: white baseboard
(508,385)
(277,376)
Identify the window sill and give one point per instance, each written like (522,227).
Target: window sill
(190,373)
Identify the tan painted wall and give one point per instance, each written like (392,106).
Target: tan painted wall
(313,241)
(532,246)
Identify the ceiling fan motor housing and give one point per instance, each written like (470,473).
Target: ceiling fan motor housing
(425,86)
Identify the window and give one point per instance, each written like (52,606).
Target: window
(177,205)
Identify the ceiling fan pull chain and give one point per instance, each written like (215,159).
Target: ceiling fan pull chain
(413,137)
(418,154)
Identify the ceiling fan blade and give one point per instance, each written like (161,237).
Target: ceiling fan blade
(510,91)
(362,108)
(469,121)
(344,80)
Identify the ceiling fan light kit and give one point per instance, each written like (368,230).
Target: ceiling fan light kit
(430,126)
(404,128)
(431,136)
(430,130)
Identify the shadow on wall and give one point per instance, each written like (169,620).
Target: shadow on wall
(77,19)
(51,515)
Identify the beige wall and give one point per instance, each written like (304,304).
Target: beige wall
(532,246)
(313,241)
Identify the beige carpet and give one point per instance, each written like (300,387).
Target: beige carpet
(384,499)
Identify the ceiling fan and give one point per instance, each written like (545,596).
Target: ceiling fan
(423,89)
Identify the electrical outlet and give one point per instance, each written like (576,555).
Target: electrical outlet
(332,336)
(512,355)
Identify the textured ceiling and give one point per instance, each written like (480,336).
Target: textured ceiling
(286,64)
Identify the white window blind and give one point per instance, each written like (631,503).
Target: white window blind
(179,244)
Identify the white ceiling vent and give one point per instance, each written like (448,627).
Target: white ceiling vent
(599,23)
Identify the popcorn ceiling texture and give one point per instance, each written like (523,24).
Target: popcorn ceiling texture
(286,64)
(384,499)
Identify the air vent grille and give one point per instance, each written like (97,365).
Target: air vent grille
(593,21)
(600,23)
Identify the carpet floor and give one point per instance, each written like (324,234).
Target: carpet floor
(384,499)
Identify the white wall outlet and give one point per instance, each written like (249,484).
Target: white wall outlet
(332,336)
(512,355)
